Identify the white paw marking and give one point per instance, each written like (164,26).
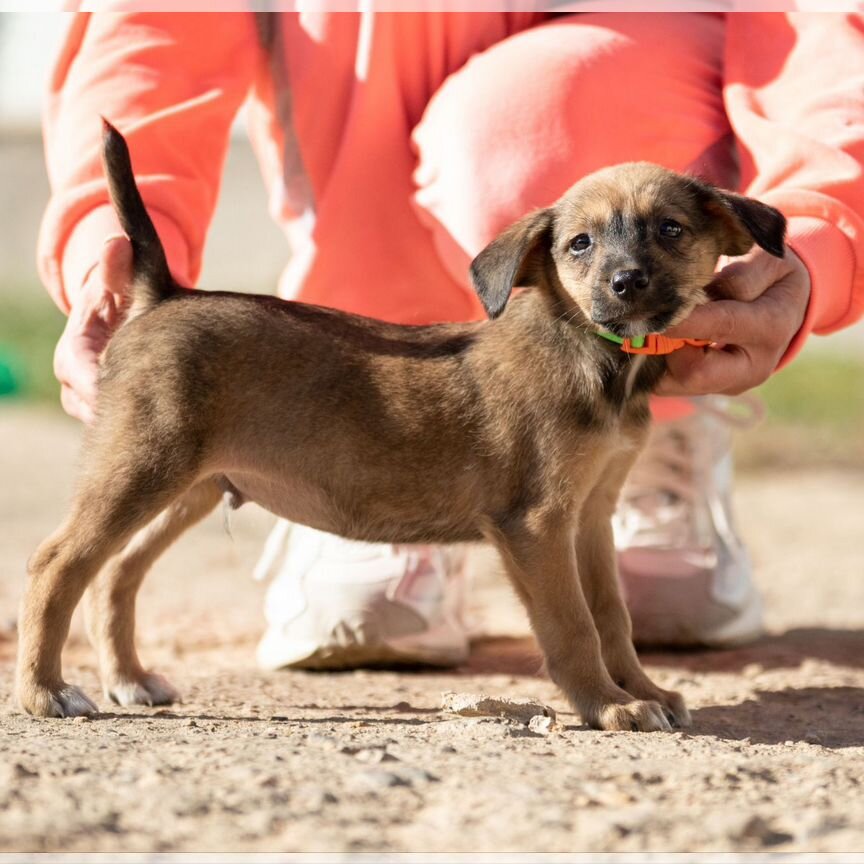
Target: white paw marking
(684,718)
(659,717)
(151,689)
(71,702)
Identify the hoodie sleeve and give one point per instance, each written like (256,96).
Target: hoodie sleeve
(172,83)
(794,93)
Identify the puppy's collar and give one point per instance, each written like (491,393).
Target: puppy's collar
(652,344)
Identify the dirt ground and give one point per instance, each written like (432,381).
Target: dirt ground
(366,761)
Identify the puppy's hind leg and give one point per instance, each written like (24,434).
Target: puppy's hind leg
(114,502)
(110,601)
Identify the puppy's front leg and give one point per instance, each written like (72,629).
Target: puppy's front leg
(598,573)
(541,561)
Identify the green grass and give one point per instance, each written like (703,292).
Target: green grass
(814,416)
(819,390)
(30,325)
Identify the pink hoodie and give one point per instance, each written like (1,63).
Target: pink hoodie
(396,144)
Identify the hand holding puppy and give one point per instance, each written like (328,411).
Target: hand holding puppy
(760,306)
(98,311)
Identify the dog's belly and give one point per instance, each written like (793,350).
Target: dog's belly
(294,500)
(308,504)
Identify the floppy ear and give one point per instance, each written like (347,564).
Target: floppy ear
(747,221)
(514,257)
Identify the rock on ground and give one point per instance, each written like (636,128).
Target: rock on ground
(523,711)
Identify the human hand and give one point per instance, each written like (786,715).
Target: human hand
(759,307)
(96,313)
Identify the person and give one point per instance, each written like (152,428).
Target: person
(394,147)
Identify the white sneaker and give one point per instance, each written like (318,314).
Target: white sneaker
(336,603)
(685,573)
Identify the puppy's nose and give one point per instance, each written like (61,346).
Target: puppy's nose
(626,281)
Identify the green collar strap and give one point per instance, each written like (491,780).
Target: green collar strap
(636,341)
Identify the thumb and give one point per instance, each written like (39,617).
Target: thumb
(115,264)
(114,270)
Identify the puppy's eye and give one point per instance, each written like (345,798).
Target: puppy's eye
(580,243)
(670,229)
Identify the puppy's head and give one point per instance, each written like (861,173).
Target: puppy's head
(631,247)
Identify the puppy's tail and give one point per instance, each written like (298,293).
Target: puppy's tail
(152,281)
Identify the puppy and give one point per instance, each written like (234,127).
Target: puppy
(519,431)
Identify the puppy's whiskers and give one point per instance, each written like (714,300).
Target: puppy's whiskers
(572,316)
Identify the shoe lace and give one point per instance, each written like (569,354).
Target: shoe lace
(669,500)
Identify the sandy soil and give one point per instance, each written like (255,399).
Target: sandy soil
(366,761)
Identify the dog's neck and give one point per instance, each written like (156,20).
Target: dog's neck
(628,376)
(597,365)
(622,376)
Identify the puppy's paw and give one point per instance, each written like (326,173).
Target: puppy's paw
(671,702)
(675,708)
(635,716)
(62,701)
(146,689)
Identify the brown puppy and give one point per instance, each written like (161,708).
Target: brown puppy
(519,431)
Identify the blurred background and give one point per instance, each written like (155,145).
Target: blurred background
(246,251)
(778,745)
(815,408)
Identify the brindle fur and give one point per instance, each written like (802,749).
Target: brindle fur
(518,431)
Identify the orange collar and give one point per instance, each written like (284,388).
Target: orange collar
(653,343)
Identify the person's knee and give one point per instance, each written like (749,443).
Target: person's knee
(522,121)
(489,143)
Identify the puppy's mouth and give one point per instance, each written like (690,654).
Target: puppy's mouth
(657,308)
(632,327)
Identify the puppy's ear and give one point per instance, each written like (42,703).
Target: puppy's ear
(746,221)
(514,257)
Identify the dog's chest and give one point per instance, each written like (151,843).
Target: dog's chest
(619,432)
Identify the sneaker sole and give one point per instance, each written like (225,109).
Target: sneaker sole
(663,617)
(365,656)
(334,637)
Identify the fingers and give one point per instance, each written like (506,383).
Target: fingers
(97,312)
(76,407)
(720,323)
(751,338)
(113,276)
(115,261)
(76,367)
(751,328)
(749,276)
(778,309)
(726,321)
(698,372)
